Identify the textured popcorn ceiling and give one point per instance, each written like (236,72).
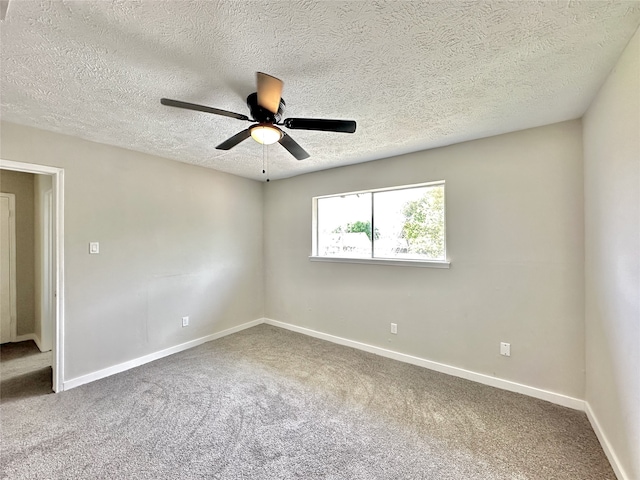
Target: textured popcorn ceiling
(414,75)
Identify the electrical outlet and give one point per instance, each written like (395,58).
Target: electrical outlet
(505,349)
(394,328)
(185,321)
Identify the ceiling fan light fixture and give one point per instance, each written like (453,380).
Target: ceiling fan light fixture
(266,107)
(266,134)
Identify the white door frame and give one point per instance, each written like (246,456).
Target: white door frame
(57,175)
(47,297)
(12,266)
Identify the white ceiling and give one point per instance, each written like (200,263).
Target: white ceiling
(414,75)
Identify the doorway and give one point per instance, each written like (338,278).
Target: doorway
(50,281)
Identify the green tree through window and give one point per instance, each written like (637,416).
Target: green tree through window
(424,224)
(358,227)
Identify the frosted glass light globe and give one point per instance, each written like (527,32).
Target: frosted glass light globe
(266,134)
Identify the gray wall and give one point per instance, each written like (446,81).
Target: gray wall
(612,266)
(21,185)
(515,238)
(175,239)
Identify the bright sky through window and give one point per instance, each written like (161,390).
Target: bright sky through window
(401,223)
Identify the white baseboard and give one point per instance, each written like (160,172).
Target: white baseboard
(552,397)
(136,362)
(606,446)
(24,338)
(30,336)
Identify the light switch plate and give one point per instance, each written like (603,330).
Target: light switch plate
(94,248)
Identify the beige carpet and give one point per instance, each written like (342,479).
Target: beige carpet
(267,403)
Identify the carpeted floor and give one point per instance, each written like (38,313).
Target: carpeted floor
(25,371)
(267,403)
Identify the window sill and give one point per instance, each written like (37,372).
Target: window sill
(382,261)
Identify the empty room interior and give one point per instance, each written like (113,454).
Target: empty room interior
(320,239)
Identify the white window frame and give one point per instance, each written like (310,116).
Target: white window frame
(314,257)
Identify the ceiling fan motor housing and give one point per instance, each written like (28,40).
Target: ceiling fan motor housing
(261,114)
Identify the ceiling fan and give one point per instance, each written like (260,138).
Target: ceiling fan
(266,107)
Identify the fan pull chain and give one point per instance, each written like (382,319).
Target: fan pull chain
(265,164)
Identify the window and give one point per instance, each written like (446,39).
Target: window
(400,224)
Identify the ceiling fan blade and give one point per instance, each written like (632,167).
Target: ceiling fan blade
(292,146)
(346,126)
(269,92)
(235,140)
(202,108)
